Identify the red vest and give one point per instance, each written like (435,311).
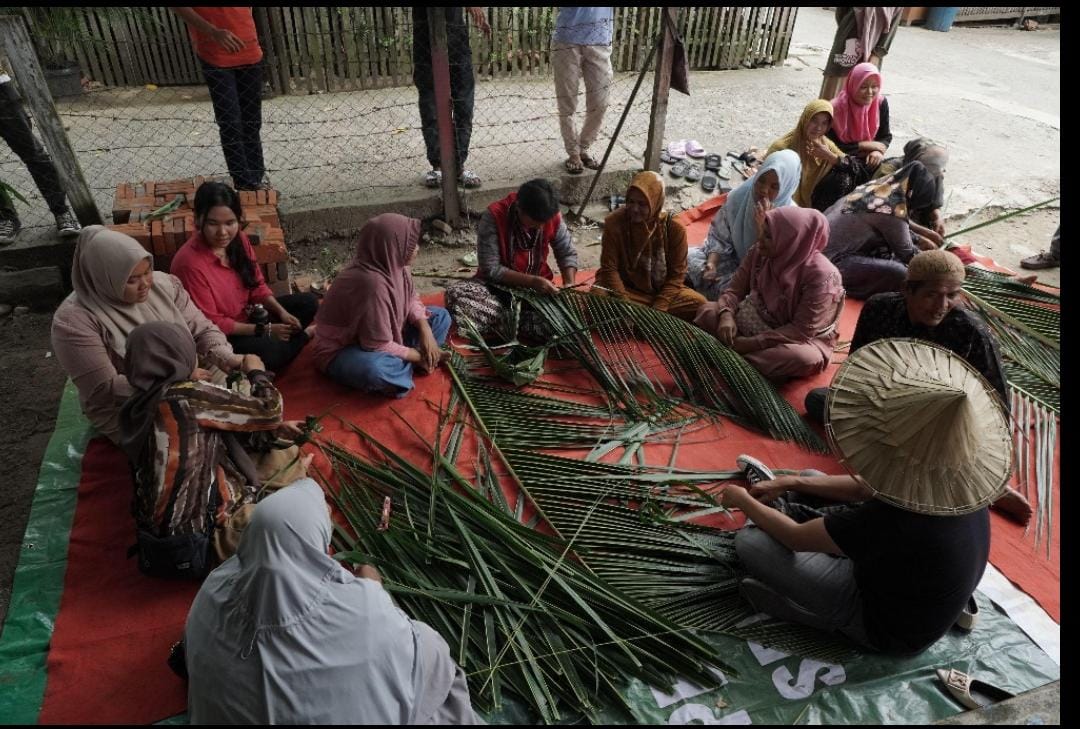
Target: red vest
(532,261)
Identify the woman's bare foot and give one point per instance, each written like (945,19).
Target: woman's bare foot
(1014,505)
(574,165)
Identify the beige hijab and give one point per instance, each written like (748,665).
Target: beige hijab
(813,169)
(104,259)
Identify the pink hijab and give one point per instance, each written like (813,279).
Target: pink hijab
(852,121)
(799,236)
(370,299)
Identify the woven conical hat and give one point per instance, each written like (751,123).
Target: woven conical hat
(920,426)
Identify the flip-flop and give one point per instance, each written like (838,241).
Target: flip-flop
(694,149)
(589,161)
(572,168)
(693,173)
(677,149)
(679,169)
(667,158)
(708,182)
(713,162)
(971,693)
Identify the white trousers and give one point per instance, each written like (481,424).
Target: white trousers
(571,63)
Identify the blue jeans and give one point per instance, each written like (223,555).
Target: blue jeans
(236,94)
(384,373)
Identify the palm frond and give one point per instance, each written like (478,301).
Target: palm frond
(609,337)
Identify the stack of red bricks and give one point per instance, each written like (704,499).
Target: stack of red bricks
(162,235)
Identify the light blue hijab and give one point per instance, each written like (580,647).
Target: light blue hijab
(740,202)
(281,633)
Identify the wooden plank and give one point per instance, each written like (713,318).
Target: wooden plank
(714,36)
(106,51)
(166,43)
(348,38)
(138,47)
(692,36)
(86,53)
(187,65)
(789,32)
(303,27)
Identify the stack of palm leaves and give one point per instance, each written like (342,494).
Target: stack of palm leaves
(520,612)
(1027,323)
(702,370)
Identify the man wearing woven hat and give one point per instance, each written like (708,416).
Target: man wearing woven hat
(927,309)
(927,442)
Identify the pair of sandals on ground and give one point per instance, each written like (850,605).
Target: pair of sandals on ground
(576,165)
(467,179)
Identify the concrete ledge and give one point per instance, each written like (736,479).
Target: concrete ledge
(40,287)
(313,222)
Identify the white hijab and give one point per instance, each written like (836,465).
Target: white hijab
(281,633)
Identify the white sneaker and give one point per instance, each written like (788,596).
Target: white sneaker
(756,471)
(9,231)
(67,225)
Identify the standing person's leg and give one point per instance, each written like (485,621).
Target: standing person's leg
(249,80)
(843,55)
(598,74)
(424,80)
(225,98)
(566,65)
(17,131)
(463,92)
(376,372)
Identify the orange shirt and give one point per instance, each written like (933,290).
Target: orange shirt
(241,23)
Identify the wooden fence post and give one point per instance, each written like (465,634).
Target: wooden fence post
(270,50)
(440,71)
(661,86)
(15,41)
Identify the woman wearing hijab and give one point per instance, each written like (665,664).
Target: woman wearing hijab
(860,130)
(372,331)
(825,167)
(185,438)
(872,236)
(643,252)
(862,34)
(281,633)
(737,225)
(116,289)
(781,309)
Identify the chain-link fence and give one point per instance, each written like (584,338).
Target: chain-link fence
(341,106)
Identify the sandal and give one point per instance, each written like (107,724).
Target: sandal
(680,169)
(433,178)
(574,168)
(969,618)
(971,693)
(667,158)
(694,149)
(713,162)
(677,149)
(469,179)
(589,161)
(693,173)
(708,182)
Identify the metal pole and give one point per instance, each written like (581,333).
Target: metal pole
(15,42)
(440,71)
(661,85)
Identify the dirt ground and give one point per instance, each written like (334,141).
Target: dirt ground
(32,380)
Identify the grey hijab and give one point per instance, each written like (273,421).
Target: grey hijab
(281,633)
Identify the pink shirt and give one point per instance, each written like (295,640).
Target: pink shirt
(216,288)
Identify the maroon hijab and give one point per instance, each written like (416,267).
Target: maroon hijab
(371,296)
